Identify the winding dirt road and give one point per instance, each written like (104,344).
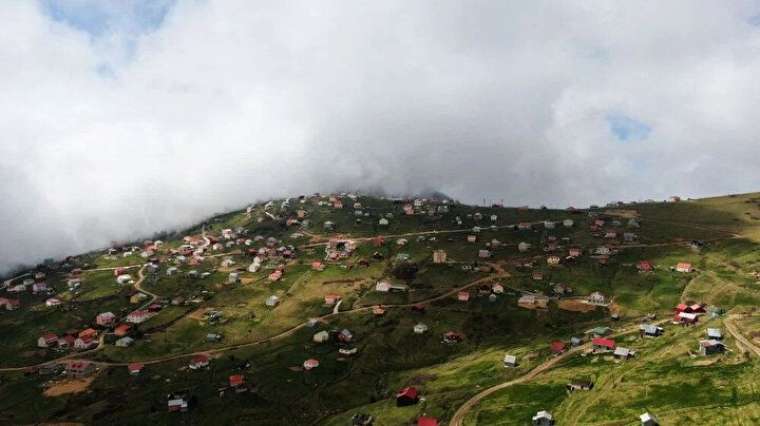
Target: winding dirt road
(458,418)
(744,343)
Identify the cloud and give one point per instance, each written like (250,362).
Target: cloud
(125,121)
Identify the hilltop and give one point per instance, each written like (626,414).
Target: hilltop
(321,309)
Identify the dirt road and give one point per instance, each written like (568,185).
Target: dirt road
(461,413)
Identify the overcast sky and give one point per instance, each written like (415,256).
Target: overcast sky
(122,118)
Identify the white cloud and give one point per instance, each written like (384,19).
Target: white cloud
(233,101)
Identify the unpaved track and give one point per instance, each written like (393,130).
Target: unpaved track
(458,418)
(744,343)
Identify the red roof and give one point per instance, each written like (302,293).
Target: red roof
(49,338)
(236,380)
(645,265)
(697,308)
(200,359)
(122,330)
(601,341)
(408,392)
(681,307)
(427,421)
(88,333)
(135,367)
(557,346)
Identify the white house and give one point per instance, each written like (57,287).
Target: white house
(420,328)
(383,286)
(597,298)
(321,337)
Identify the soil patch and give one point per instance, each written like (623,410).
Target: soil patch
(69,386)
(575,305)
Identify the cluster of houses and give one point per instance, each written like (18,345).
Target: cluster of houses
(77,340)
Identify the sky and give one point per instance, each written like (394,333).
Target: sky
(123,118)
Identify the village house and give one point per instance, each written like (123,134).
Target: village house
(236,381)
(711,346)
(420,328)
(510,360)
(383,286)
(452,337)
(38,288)
(321,337)
(522,247)
(532,301)
(472,238)
(623,353)
(684,267)
(85,343)
(176,404)
(79,368)
(548,224)
(497,289)
(568,223)
(714,334)
(629,237)
(543,418)
(105,319)
(579,385)
(596,298)
(644,266)
(484,254)
(648,419)
(345,336)
(139,316)
(439,256)
(408,209)
(463,296)
(650,330)
(686,318)
(331,299)
(124,279)
(122,330)
(199,361)
(601,344)
(610,235)
(275,276)
(47,340)
(537,275)
(135,368)
(10,304)
(272,301)
(427,421)
(407,396)
(310,364)
(557,347)
(553,260)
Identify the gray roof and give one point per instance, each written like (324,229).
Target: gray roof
(650,328)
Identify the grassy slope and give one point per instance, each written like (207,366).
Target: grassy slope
(391,356)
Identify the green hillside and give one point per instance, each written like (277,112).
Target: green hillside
(187,288)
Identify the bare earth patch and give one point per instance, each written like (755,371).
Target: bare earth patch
(198,314)
(575,305)
(69,386)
